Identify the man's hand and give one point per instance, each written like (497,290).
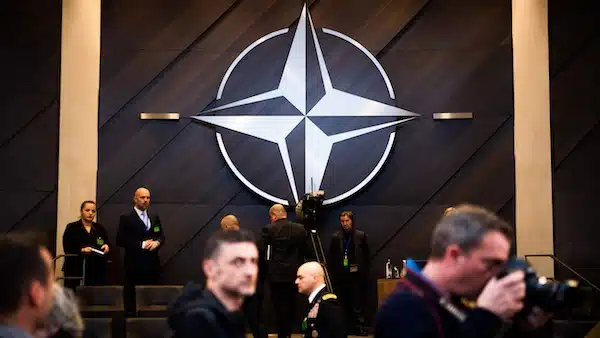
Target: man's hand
(105,248)
(87,249)
(504,297)
(152,245)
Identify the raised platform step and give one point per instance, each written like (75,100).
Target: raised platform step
(153,301)
(147,328)
(99,327)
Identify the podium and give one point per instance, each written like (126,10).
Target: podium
(385,288)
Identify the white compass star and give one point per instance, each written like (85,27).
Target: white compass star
(292,87)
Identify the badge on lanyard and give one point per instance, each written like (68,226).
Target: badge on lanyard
(346,263)
(100,241)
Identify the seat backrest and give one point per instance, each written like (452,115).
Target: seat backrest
(99,327)
(148,328)
(156,296)
(110,296)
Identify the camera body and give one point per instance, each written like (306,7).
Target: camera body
(557,297)
(310,207)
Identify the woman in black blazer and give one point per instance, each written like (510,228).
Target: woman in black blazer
(79,238)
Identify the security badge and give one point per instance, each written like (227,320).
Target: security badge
(100,241)
(156,228)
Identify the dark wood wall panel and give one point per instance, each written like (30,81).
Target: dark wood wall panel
(29,64)
(574,51)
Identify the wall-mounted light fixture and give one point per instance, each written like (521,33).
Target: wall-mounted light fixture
(453,116)
(159,116)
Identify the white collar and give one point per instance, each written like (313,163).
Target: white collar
(315,292)
(139,212)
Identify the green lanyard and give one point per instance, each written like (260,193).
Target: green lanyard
(346,253)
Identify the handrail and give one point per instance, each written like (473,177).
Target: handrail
(566,266)
(80,278)
(64,255)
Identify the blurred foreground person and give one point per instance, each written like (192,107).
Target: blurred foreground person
(230,265)
(325,318)
(469,247)
(25,286)
(253,304)
(64,319)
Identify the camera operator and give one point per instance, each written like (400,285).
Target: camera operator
(284,245)
(469,247)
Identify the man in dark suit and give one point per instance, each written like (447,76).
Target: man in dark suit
(284,246)
(349,265)
(141,235)
(325,318)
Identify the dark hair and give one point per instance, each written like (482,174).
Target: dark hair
(86,202)
(348,214)
(465,225)
(214,242)
(21,263)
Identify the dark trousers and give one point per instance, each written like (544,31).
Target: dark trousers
(351,289)
(134,278)
(252,312)
(283,296)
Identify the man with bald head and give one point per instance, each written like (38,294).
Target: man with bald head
(230,222)
(284,245)
(141,234)
(325,317)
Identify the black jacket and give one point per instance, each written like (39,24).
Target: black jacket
(75,238)
(360,247)
(130,235)
(288,247)
(198,313)
(413,310)
(325,317)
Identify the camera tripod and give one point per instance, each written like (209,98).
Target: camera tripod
(319,253)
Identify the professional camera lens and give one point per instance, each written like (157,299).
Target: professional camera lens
(566,298)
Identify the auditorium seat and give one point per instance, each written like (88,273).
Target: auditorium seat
(100,301)
(152,301)
(147,328)
(99,327)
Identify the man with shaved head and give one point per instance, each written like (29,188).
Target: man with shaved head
(141,234)
(230,222)
(325,318)
(284,245)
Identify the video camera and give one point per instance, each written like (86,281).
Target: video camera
(564,298)
(310,207)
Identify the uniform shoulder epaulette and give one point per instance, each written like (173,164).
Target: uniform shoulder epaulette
(328,296)
(469,303)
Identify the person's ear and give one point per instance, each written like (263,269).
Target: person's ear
(453,252)
(36,294)
(208,266)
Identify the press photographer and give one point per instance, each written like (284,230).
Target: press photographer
(469,249)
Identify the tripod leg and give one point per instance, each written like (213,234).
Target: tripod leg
(320,254)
